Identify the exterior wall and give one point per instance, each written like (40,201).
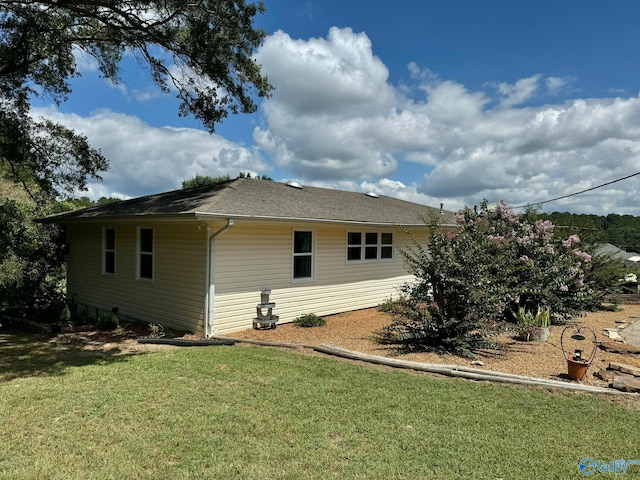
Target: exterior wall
(254,255)
(175,297)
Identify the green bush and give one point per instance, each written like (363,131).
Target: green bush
(107,321)
(310,320)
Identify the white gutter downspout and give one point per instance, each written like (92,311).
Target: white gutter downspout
(208,293)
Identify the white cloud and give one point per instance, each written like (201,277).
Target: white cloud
(335,118)
(519,92)
(145,159)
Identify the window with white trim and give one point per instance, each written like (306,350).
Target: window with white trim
(302,255)
(109,251)
(369,246)
(145,254)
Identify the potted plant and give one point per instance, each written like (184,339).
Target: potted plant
(533,327)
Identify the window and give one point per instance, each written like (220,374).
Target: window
(386,246)
(145,253)
(369,246)
(109,251)
(302,255)
(354,246)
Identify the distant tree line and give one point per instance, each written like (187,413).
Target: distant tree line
(623,231)
(205,180)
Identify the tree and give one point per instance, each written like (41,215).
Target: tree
(202,48)
(205,180)
(493,264)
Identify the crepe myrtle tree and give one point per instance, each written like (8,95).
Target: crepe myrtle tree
(493,263)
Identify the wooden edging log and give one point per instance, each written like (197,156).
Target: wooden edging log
(263,343)
(463,372)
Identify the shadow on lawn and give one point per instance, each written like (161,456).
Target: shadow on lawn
(31,355)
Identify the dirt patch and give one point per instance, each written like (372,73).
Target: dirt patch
(356,331)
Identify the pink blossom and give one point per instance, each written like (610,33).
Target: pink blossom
(544,226)
(564,288)
(583,255)
(571,241)
(497,239)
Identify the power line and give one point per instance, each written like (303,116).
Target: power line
(578,193)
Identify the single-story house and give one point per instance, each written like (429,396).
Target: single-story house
(198,259)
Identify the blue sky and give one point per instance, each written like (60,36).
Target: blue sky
(444,101)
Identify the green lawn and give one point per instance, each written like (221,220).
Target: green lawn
(260,413)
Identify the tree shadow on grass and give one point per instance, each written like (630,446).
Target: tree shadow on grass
(33,355)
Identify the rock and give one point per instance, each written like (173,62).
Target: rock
(628,369)
(619,347)
(613,334)
(626,383)
(480,363)
(606,375)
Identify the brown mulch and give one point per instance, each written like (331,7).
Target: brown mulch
(356,330)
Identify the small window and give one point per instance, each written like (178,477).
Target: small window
(369,246)
(302,255)
(145,253)
(109,251)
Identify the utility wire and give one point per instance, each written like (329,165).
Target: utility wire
(578,193)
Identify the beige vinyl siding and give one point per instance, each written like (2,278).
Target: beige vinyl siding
(254,255)
(175,296)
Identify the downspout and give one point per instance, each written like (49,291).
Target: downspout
(207,295)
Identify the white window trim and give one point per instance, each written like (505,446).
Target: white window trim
(363,246)
(105,250)
(139,252)
(313,255)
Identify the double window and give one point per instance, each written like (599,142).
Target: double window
(145,254)
(302,255)
(109,251)
(369,246)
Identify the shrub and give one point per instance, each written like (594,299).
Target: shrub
(492,263)
(310,320)
(420,327)
(107,321)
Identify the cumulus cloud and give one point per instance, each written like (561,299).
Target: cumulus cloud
(145,159)
(336,118)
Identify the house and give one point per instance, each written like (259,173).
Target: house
(198,259)
(627,258)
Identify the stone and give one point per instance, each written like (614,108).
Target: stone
(613,334)
(626,383)
(619,347)
(628,369)
(606,375)
(480,363)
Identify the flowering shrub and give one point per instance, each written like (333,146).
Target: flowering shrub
(496,262)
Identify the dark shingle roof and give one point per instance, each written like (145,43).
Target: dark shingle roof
(264,199)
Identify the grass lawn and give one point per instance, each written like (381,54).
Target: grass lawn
(260,413)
